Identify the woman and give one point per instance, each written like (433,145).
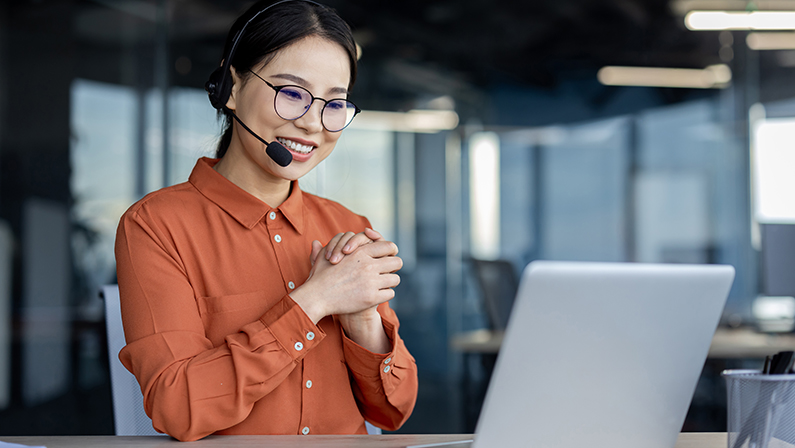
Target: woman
(238,319)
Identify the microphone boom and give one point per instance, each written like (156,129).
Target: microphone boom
(275,150)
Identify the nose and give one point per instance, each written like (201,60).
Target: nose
(311,121)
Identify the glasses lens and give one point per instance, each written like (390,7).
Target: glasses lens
(338,114)
(292,102)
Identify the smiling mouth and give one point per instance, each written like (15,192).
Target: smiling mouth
(297,147)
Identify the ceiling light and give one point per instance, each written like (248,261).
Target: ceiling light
(421,121)
(740,20)
(771,41)
(358,51)
(682,7)
(712,77)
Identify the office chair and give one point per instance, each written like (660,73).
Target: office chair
(498,284)
(129,417)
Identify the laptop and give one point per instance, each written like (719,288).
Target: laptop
(601,355)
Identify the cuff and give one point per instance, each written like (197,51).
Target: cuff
(365,363)
(292,328)
(377,373)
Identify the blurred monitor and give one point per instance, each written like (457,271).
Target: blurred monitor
(778,259)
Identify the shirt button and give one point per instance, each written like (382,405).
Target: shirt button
(299,346)
(278,238)
(387,369)
(386,361)
(272,216)
(310,336)
(308,384)
(305,431)
(291,285)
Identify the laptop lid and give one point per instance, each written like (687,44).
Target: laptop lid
(602,355)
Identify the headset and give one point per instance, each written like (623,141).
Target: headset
(219,87)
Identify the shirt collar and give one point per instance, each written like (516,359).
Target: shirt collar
(293,207)
(238,203)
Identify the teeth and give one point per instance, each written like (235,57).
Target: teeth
(297,147)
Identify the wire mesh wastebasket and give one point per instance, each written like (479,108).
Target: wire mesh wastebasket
(761,409)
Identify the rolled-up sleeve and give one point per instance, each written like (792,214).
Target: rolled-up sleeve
(192,388)
(385,385)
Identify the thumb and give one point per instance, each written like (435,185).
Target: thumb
(316,248)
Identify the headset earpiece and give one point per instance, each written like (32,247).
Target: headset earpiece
(219,87)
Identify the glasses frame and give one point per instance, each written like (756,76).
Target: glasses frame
(277,89)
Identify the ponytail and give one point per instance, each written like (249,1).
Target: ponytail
(226,138)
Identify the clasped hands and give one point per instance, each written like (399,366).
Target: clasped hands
(350,277)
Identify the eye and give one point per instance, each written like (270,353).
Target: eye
(293,93)
(337,105)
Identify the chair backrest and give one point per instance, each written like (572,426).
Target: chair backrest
(498,284)
(129,417)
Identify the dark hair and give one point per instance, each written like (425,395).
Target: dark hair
(275,29)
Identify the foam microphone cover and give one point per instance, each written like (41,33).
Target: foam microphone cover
(279,153)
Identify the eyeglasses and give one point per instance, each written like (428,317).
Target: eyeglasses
(293,102)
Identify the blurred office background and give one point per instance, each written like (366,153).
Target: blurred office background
(493,130)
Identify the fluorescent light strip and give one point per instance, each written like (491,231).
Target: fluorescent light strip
(682,7)
(740,20)
(421,121)
(712,77)
(771,41)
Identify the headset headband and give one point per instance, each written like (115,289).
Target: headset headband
(218,86)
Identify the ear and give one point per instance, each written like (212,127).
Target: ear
(231,103)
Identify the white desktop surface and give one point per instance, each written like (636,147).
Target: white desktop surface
(685,440)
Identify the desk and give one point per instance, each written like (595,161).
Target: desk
(726,344)
(686,440)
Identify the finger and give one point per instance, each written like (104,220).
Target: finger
(385,295)
(336,251)
(389,281)
(360,239)
(332,244)
(380,249)
(372,234)
(317,246)
(389,264)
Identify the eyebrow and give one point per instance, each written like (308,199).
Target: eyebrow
(303,83)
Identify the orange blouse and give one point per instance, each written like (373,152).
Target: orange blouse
(217,344)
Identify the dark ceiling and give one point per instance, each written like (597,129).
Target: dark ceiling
(413,50)
(461,47)
(530,42)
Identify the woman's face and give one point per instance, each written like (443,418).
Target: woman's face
(314,63)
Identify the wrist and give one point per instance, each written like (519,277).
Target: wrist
(365,322)
(312,307)
(366,329)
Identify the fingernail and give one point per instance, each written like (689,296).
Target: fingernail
(328,254)
(335,258)
(347,247)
